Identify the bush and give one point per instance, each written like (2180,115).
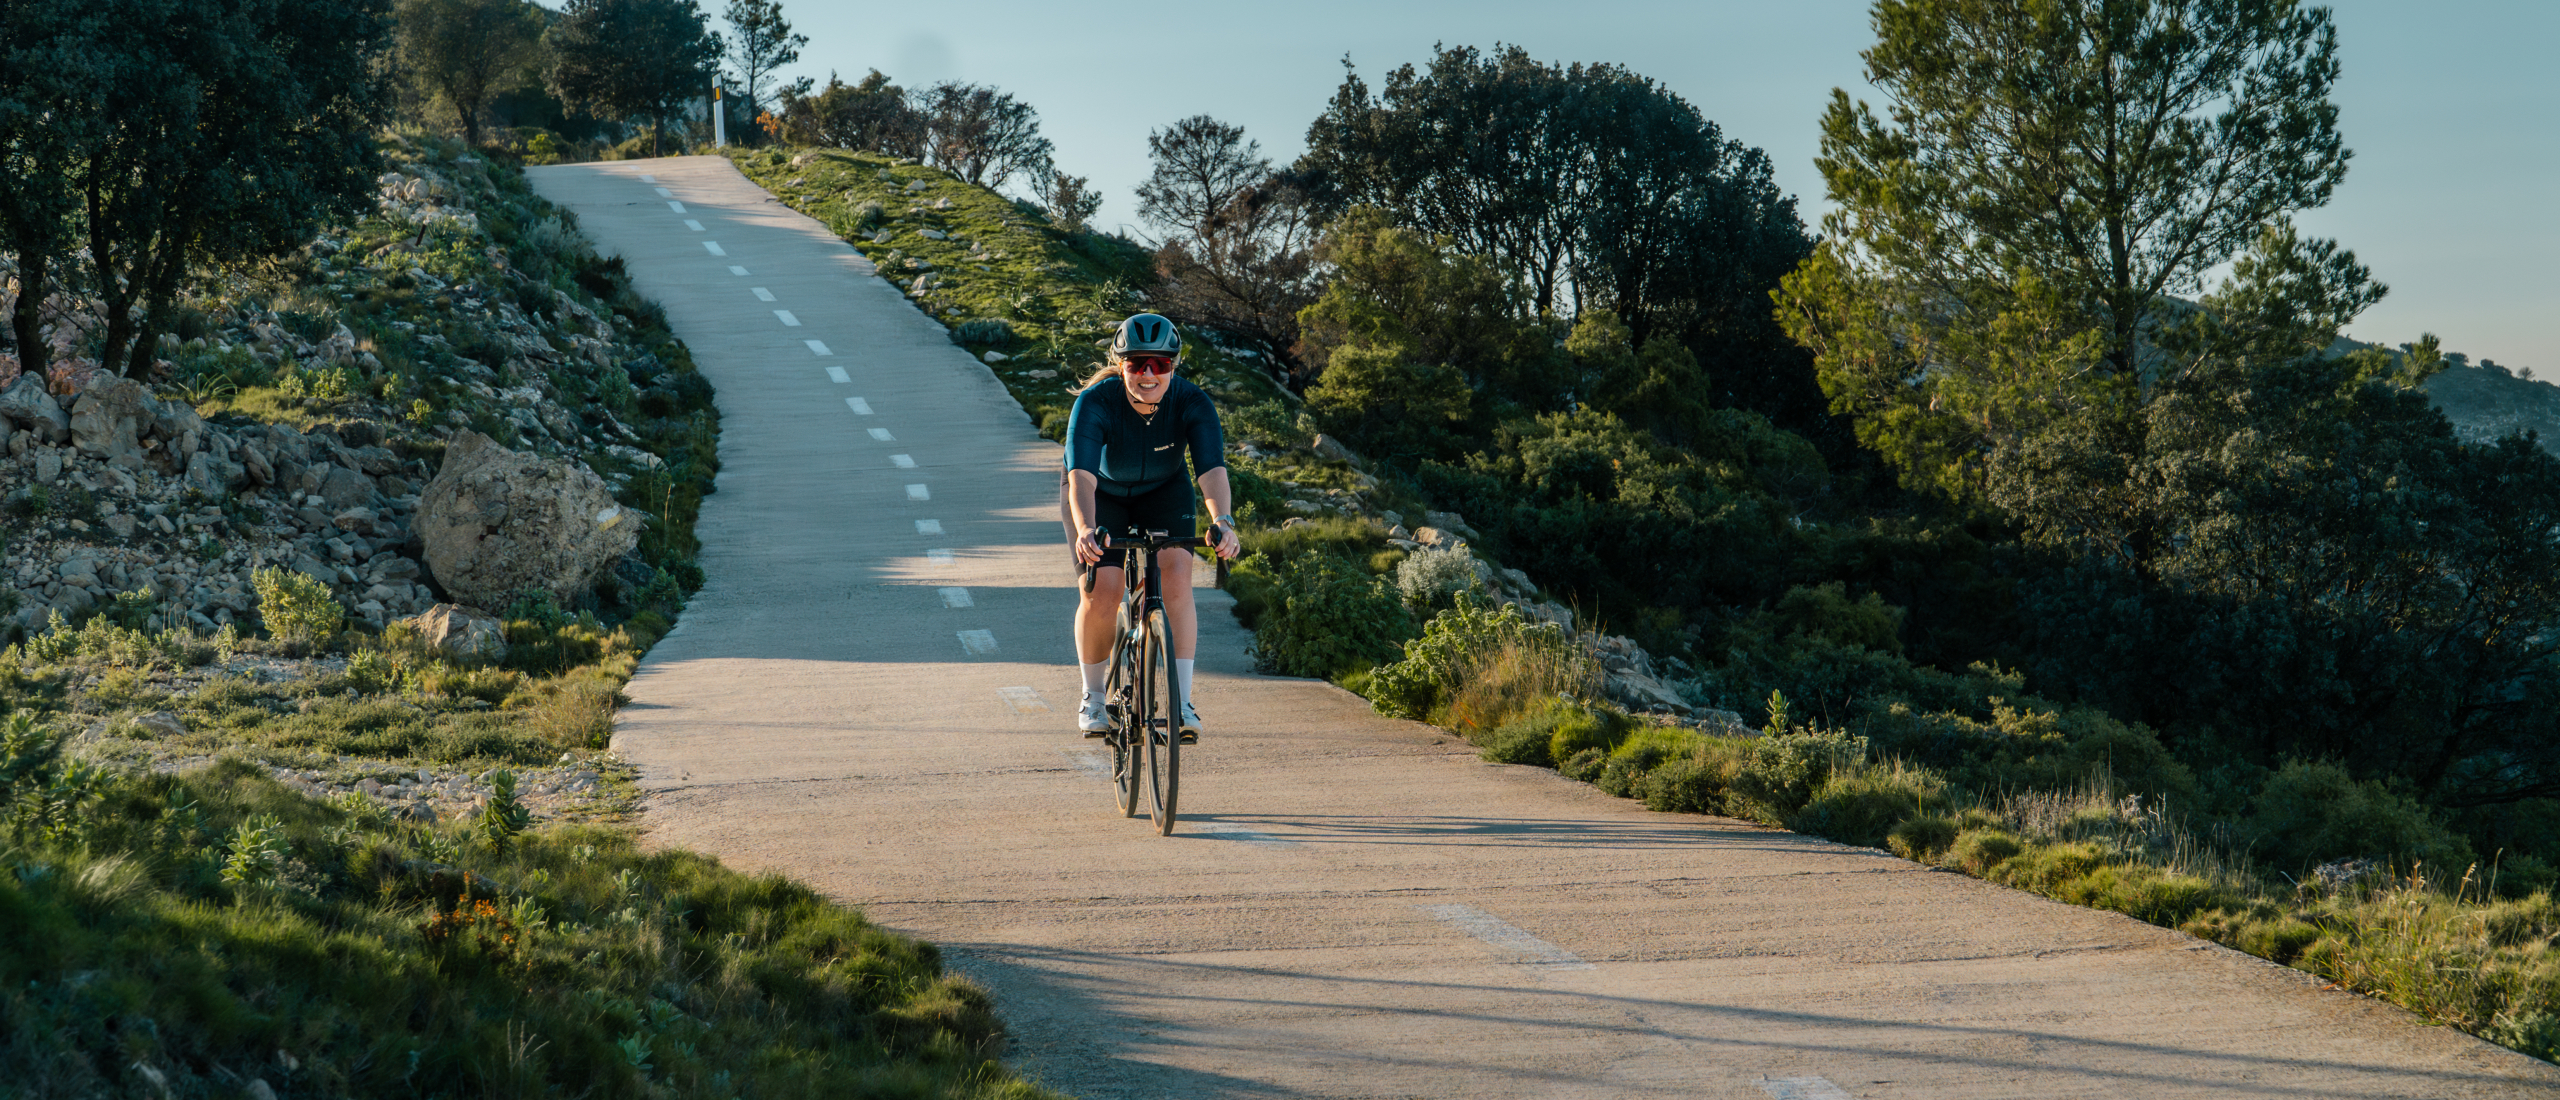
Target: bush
(1325,617)
(296,607)
(1922,839)
(1492,654)
(984,330)
(1865,805)
(1977,852)
(1699,783)
(1430,580)
(1786,769)
(2308,814)
(1639,754)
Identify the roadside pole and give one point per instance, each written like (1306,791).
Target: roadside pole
(719,121)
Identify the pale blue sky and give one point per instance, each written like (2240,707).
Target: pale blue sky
(2449,107)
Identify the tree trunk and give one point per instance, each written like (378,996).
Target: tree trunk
(26,318)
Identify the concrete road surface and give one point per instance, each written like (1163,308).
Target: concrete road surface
(875,692)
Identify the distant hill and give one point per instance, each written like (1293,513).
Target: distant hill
(2485,401)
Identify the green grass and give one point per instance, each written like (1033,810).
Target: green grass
(162,942)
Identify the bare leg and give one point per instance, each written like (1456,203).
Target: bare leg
(1095,614)
(1174,566)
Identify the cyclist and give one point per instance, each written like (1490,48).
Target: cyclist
(1132,424)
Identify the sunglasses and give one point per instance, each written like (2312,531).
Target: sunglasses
(1149,364)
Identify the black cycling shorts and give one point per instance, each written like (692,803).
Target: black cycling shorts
(1168,508)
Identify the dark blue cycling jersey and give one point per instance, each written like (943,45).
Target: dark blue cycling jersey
(1130,453)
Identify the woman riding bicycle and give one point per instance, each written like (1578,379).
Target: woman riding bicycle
(1132,423)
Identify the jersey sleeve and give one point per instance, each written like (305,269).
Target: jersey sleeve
(1085,433)
(1208,437)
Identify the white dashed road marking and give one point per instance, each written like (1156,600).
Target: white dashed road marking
(903,462)
(714,246)
(1534,952)
(837,374)
(1801,1088)
(788,320)
(919,492)
(646,178)
(675,206)
(1024,699)
(762,295)
(978,642)
(859,406)
(882,434)
(940,559)
(928,527)
(956,597)
(736,270)
(818,347)
(693,225)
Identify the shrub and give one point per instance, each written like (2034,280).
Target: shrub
(1976,852)
(1325,617)
(1585,765)
(1864,805)
(1786,769)
(1639,754)
(984,330)
(1268,423)
(294,606)
(1464,646)
(2308,814)
(1430,580)
(1922,839)
(1699,783)
(1557,731)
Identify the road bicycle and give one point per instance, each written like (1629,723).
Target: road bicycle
(1142,696)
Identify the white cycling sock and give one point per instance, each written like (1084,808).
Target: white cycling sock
(1094,675)
(1182,676)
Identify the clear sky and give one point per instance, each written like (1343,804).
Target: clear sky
(2452,107)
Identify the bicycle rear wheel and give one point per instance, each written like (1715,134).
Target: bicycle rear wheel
(1163,721)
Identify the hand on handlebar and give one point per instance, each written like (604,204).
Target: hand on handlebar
(1089,544)
(1223,538)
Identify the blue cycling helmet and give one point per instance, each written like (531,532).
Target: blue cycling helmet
(1146,334)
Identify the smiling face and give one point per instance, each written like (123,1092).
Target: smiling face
(1148,377)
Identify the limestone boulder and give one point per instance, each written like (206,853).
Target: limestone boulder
(496,523)
(462,632)
(109,420)
(26,404)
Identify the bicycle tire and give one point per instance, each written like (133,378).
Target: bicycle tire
(1163,722)
(1128,760)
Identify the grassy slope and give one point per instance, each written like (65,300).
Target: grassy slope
(185,930)
(2450,951)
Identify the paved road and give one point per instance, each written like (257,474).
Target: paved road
(873,693)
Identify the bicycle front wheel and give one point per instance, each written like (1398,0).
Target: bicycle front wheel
(1128,731)
(1163,725)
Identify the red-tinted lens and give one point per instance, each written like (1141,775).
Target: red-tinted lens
(1150,364)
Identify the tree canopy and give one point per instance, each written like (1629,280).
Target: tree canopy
(180,133)
(761,40)
(469,50)
(981,134)
(2046,175)
(632,58)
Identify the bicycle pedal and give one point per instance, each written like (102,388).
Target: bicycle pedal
(1190,737)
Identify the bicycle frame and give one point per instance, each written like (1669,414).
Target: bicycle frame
(1128,697)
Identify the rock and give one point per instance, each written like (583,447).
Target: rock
(162,723)
(1643,692)
(933,234)
(1436,538)
(255,461)
(1390,517)
(358,520)
(26,404)
(342,489)
(495,523)
(995,357)
(74,601)
(1395,530)
(120,525)
(48,465)
(108,420)
(1450,520)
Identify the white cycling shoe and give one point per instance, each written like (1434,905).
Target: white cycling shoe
(1190,724)
(1091,718)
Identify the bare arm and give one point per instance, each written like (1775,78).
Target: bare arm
(1076,496)
(1214,489)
